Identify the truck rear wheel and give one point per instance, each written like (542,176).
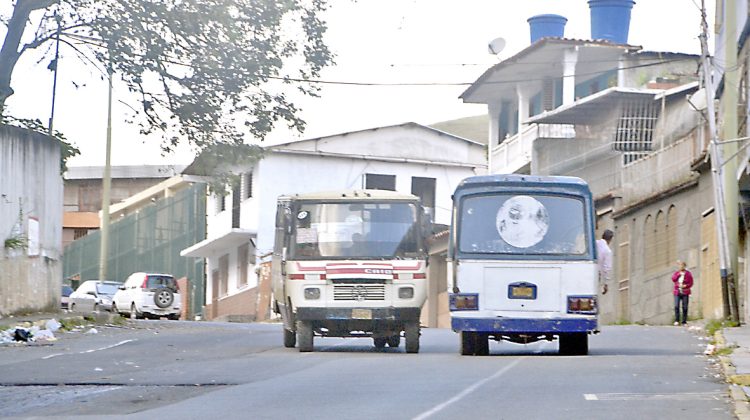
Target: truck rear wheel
(468,343)
(290,339)
(574,344)
(305,336)
(411,336)
(379,342)
(482,347)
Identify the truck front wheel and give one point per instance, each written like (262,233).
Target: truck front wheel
(305,336)
(411,336)
(574,344)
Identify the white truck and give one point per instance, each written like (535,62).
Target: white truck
(350,264)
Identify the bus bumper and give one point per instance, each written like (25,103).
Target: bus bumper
(524,326)
(363,314)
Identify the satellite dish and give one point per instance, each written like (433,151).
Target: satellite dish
(496,46)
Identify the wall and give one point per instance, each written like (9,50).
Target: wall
(30,189)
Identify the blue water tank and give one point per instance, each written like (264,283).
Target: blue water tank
(546,26)
(610,19)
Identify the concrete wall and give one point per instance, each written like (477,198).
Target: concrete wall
(30,190)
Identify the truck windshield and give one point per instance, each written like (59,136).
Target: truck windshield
(521,224)
(355,230)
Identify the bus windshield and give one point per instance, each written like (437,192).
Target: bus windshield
(365,230)
(519,224)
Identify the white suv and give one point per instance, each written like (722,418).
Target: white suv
(148,295)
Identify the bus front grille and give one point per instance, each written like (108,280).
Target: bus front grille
(359,292)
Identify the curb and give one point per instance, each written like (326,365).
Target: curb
(736,392)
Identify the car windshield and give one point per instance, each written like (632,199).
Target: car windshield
(360,230)
(106,288)
(523,224)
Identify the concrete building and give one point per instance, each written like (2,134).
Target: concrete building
(30,221)
(83,192)
(409,158)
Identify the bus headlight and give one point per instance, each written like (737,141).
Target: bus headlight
(405,292)
(312,293)
(582,305)
(463,301)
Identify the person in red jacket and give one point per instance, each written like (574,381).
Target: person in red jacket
(683,282)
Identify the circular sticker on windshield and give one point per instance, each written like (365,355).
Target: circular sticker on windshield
(302,215)
(522,221)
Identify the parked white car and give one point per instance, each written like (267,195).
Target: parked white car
(93,295)
(148,295)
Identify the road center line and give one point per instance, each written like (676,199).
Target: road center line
(467,391)
(92,350)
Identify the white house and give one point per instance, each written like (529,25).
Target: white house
(408,158)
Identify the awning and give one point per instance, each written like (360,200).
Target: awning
(219,245)
(588,110)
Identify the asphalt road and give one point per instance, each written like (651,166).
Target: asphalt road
(203,370)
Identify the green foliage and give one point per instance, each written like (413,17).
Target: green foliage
(205,71)
(16,242)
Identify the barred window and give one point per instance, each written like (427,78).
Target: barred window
(635,129)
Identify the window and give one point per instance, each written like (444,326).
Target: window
(635,129)
(424,188)
(247,185)
(380,182)
(79,233)
(236,202)
(219,203)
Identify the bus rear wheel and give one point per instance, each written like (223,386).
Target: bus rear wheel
(473,343)
(290,339)
(574,344)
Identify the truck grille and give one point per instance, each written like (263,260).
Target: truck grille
(359,292)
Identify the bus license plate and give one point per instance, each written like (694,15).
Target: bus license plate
(362,313)
(522,291)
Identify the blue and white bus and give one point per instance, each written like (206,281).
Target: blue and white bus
(522,262)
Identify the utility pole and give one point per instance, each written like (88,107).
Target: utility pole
(729,291)
(54,77)
(106,186)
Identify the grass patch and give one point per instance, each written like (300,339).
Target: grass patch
(622,322)
(69,324)
(715,325)
(724,351)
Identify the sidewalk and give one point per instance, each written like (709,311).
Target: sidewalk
(733,349)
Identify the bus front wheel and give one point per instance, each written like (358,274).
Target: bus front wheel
(305,336)
(574,344)
(411,336)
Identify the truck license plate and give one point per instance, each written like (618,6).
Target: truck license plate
(522,290)
(362,313)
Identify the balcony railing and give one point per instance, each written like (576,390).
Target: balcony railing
(514,153)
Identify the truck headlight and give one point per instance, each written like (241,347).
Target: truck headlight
(312,293)
(405,292)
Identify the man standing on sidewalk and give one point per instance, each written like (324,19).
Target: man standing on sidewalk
(604,258)
(683,282)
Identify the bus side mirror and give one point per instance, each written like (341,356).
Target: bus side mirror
(283,261)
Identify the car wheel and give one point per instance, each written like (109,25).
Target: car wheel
(134,312)
(305,336)
(163,297)
(290,338)
(411,336)
(173,317)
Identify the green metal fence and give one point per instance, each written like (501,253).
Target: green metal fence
(149,240)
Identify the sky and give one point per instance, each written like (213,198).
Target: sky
(375,41)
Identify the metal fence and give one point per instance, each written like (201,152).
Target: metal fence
(148,240)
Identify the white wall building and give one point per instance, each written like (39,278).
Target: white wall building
(408,158)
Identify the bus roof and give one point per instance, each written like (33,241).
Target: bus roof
(349,195)
(517,180)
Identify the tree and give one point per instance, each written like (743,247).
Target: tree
(206,71)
